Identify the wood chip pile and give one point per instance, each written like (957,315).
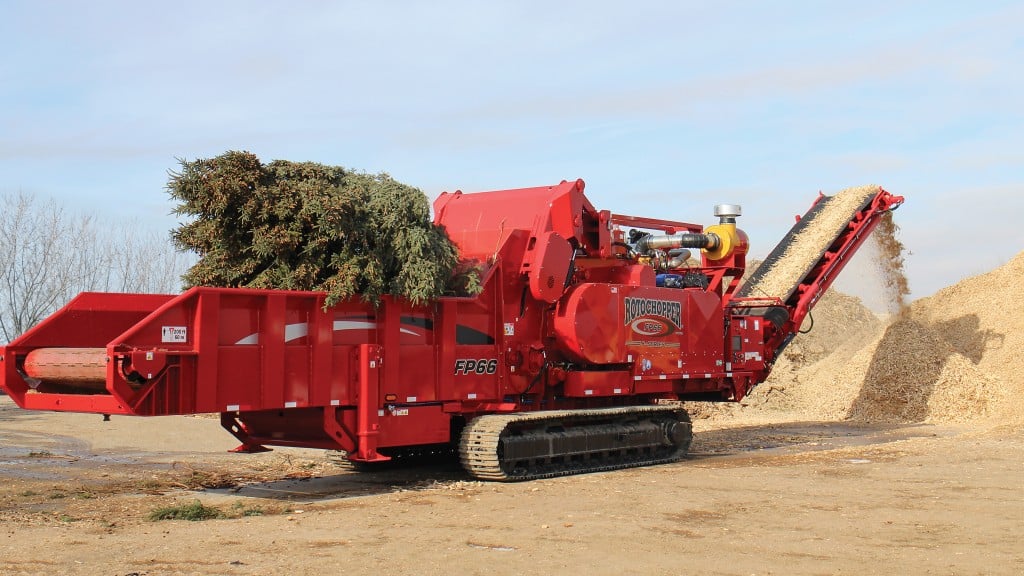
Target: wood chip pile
(308,226)
(954,357)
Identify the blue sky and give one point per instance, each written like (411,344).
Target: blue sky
(664,108)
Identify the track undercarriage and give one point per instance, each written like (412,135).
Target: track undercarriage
(534,445)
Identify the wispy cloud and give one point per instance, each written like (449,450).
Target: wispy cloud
(665,108)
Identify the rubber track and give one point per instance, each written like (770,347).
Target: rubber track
(478,447)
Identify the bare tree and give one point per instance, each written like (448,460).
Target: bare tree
(144,261)
(47,255)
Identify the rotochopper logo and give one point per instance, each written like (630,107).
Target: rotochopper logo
(653,318)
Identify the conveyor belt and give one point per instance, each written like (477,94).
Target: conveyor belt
(795,256)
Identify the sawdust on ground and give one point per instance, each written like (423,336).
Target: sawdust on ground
(782,497)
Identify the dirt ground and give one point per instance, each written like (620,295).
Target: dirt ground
(756,497)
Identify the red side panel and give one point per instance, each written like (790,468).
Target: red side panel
(597,384)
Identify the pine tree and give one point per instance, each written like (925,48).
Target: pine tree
(307,226)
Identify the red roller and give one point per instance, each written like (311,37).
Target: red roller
(77,367)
